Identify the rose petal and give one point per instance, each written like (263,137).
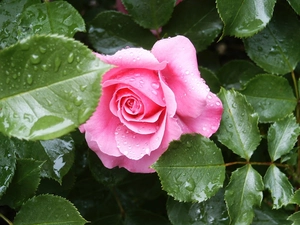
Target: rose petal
(182,74)
(209,121)
(133,58)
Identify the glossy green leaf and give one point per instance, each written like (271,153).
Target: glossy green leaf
(107,177)
(273,48)
(295,218)
(7,162)
(24,183)
(108,39)
(295,5)
(282,136)
(48,209)
(49,85)
(51,18)
(211,212)
(211,79)
(236,73)
(57,155)
(197,20)
(10,12)
(239,125)
(279,186)
(245,18)
(138,217)
(158,12)
(243,192)
(271,97)
(192,169)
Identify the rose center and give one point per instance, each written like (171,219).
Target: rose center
(132,106)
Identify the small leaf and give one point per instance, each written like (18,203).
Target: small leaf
(239,125)
(48,209)
(57,155)
(197,20)
(245,18)
(236,73)
(192,169)
(295,5)
(295,218)
(211,212)
(279,186)
(296,198)
(108,39)
(243,192)
(271,97)
(51,18)
(10,12)
(158,12)
(282,136)
(273,49)
(49,85)
(24,183)
(7,162)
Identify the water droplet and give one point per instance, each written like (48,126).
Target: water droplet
(29,79)
(132,79)
(234,105)
(78,101)
(24,46)
(188,144)
(154,92)
(28,117)
(35,59)
(83,87)
(189,184)
(218,103)
(42,49)
(69,107)
(155,85)
(71,57)
(209,97)
(7,80)
(15,76)
(57,64)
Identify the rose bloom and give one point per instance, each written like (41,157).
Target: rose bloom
(149,99)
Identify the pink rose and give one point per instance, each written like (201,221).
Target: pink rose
(149,99)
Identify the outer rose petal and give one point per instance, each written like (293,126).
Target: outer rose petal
(182,74)
(209,121)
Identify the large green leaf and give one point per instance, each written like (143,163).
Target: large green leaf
(51,18)
(271,97)
(245,18)
(236,73)
(158,12)
(24,183)
(48,209)
(279,186)
(211,212)
(282,136)
(10,12)
(273,48)
(243,192)
(197,20)
(57,155)
(7,162)
(192,169)
(108,38)
(239,125)
(295,4)
(49,85)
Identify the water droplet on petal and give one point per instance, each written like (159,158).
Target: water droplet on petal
(155,85)
(154,92)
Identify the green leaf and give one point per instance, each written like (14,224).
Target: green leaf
(243,192)
(10,12)
(51,18)
(48,209)
(138,217)
(192,169)
(7,162)
(49,85)
(107,177)
(108,39)
(57,155)
(24,183)
(245,18)
(296,198)
(236,73)
(158,12)
(279,186)
(197,20)
(271,97)
(211,79)
(273,48)
(282,136)
(295,218)
(211,212)
(295,5)
(239,125)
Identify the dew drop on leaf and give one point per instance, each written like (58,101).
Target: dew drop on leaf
(35,59)
(71,57)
